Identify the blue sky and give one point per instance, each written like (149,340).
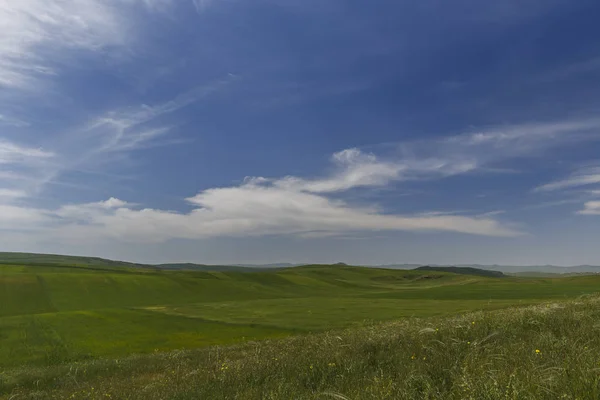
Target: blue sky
(257,131)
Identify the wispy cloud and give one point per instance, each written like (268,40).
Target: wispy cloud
(10,121)
(201,5)
(590,65)
(128,129)
(591,208)
(105,140)
(37,33)
(12,153)
(583,177)
(35,30)
(9,194)
(487,149)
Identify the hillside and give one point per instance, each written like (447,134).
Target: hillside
(31,259)
(207,268)
(526,270)
(548,351)
(464,271)
(53,314)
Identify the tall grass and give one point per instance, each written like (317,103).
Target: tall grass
(549,351)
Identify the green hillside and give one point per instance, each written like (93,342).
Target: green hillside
(55,259)
(57,313)
(34,259)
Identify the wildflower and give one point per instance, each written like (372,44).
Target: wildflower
(468,342)
(538,351)
(436,329)
(331,364)
(311,366)
(413,357)
(424,358)
(473,323)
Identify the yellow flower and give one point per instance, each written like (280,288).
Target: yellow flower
(473,323)
(331,364)
(413,357)
(538,351)
(424,358)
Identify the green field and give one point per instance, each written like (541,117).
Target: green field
(55,313)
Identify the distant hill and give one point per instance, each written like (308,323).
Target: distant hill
(97,262)
(56,260)
(463,271)
(529,270)
(210,268)
(265,266)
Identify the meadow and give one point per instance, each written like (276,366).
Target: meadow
(69,326)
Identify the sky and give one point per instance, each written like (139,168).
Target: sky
(265,131)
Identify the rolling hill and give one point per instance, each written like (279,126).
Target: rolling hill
(54,312)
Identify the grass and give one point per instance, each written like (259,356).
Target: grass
(55,313)
(315,314)
(546,351)
(87,330)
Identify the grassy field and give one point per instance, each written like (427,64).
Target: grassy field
(548,351)
(54,315)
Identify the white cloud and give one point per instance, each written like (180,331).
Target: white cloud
(435,158)
(12,153)
(591,208)
(37,33)
(527,135)
(33,31)
(15,218)
(582,177)
(9,194)
(354,169)
(88,212)
(257,207)
(289,205)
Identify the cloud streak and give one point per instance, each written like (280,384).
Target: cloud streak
(36,33)
(590,208)
(35,30)
(12,153)
(487,150)
(128,129)
(582,177)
